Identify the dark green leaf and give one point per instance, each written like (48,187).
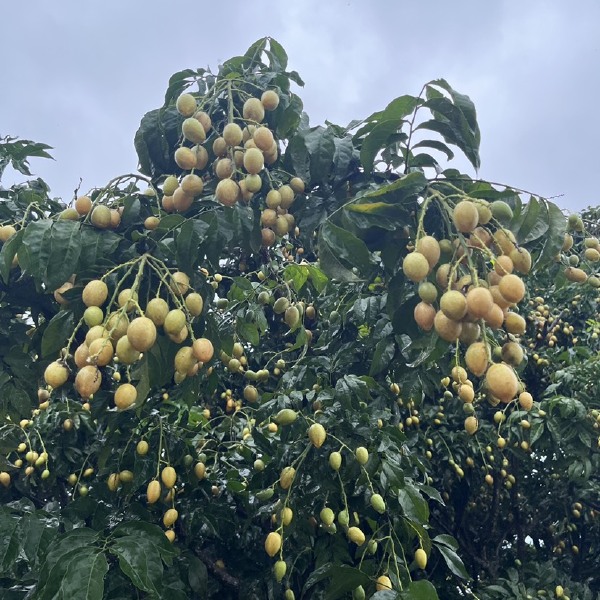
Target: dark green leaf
(384,352)
(57,332)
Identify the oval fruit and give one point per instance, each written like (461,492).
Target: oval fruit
(421,558)
(335,461)
(476,358)
(356,535)
(465,216)
(95,293)
(479,302)
(415,266)
(454,305)
(429,247)
(446,328)
(56,374)
(287,477)
(512,288)
(502,382)
(168,476)
(285,416)
(141,334)
(383,583)
(88,381)
(153,491)
(170,517)
(279,570)
(424,315)
(378,503)
(157,310)
(125,396)
(317,434)
(273,544)
(203,349)
(471,425)
(362,455)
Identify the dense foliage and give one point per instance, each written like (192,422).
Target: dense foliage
(287,360)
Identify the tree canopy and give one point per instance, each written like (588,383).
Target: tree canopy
(296,361)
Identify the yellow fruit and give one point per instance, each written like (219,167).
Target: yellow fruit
(454,305)
(93,316)
(575,275)
(424,315)
(193,131)
(170,534)
(286,416)
(232,134)
(502,382)
(503,265)
(142,447)
(186,105)
(522,260)
(168,476)
(362,455)
(113,482)
(429,247)
(421,558)
(83,205)
(471,425)
(203,349)
(505,240)
(327,516)
(200,470)
(126,476)
(101,217)
(127,299)
(185,361)
(141,334)
(100,352)
(526,401)
(224,168)
(125,352)
(512,353)
(465,216)
(194,304)
(56,374)
(125,396)
(515,323)
(263,138)
(180,283)
(476,358)
(253,110)
(227,192)
(512,288)
(479,302)
(286,516)
(317,434)
(95,293)
(157,310)
(270,100)
(185,158)
(286,477)
(192,185)
(448,329)
(495,317)
(273,544)
(415,266)
(88,381)
(356,535)
(378,503)
(5,479)
(253,161)
(170,185)
(383,583)
(153,491)
(466,393)
(170,517)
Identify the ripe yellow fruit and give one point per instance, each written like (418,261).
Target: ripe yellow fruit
(429,247)
(515,323)
(454,305)
(448,329)
(273,544)
(193,131)
(83,205)
(95,293)
(471,425)
(253,161)
(170,535)
(362,455)
(495,317)
(192,185)
(194,303)
(185,361)
(424,315)
(512,353)
(153,491)
(421,558)
(317,434)
(200,470)
(125,396)
(56,374)
(286,416)
(125,352)
(142,447)
(526,401)
(286,477)
(180,283)
(270,99)
(476,358)
(356,535)
(168,476)
(502,382)
(157,310)
(227,192)
(185,158)
(512,288)
(263,138)
(232,134)
(253,110)
(127,299)
(170,517)
(522,260)
(415,266)
(479,302)
(186,105)
(141,334)
(575,275)
(203,349)
(378,503)
(465,216)
(4,478)
(100,352)
(286,516)
(93,316)
(88,381)
(383,583)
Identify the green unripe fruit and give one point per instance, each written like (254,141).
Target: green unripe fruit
(93,315)
(362,455)
(279,570)
(501,211)
(343,518)
(292,317)
(428,292)
(327,516)
(265,495)
(289,595)
(335,461)
(285,416)
(170,185)
(358,593)
(101,217)
(378,503)
(281,305)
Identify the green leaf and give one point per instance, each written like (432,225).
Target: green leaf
(57,332)
(376,140)
(340,248)
(63,252)
(7,254)
(9,540)
(297,275)
(554,238)
(248,332)
(317,278)
(413,504)
(534,222)
(343,580)
(447,546)
(419,590)
(187,243)
(384,352)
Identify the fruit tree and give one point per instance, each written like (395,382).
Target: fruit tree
(296,361)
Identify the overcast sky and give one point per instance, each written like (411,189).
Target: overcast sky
(79,75)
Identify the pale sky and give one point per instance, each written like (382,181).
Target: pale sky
(79,75)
